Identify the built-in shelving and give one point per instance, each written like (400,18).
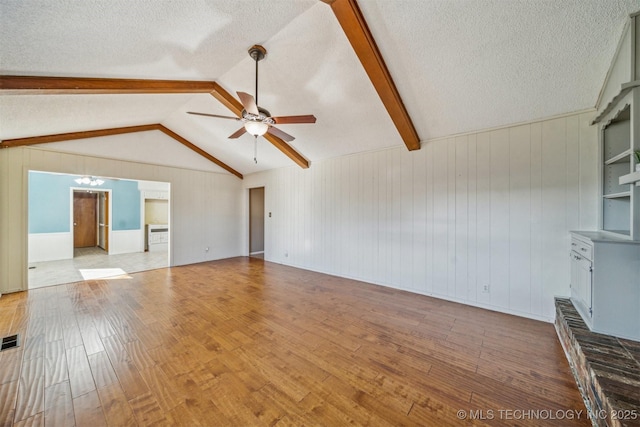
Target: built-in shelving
(617,195)
(620,158)
(617,163)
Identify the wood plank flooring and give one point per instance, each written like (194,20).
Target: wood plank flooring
(243,342)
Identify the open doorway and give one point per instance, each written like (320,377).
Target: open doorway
(81,231)
(256,222)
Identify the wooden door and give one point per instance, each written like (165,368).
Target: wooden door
(84,219)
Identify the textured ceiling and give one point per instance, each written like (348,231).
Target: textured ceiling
(459,66)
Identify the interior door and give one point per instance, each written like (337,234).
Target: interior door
(103,220)
(85,220)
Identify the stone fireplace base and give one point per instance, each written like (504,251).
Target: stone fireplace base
(606,368)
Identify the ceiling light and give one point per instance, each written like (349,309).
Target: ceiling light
(89,180)
(256,128)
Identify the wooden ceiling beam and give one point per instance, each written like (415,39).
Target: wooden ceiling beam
(198,150)
(45,139)
(357,31)
(33,85)
(70,136)
(229,101)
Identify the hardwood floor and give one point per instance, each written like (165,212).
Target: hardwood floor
(244,342)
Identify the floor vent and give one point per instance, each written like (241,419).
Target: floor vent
(9,342)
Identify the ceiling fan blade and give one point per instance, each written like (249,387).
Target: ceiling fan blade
(238,133)
(249,103)
(213,115)
(280,134)
(284,120)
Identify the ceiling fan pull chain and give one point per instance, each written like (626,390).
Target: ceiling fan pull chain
(255,149)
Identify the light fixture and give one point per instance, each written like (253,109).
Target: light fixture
(256,128)
(89,180)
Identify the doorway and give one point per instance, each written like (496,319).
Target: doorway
(256,222)
(69,227)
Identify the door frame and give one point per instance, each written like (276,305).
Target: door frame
(107,196)
(109,208)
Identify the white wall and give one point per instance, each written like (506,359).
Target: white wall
(490,208)
(50,246)
(125,242)
(206,207)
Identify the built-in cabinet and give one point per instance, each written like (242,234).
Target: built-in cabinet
(581,274)
(618,121)
(617,153)
(605,282)
(620,196)
(157,237)
(605,264)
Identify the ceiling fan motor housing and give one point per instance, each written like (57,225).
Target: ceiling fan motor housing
(257,52)
(265,116)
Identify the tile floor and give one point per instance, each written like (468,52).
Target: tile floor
(91,261)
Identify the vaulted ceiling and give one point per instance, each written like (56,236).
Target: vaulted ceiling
(458,66)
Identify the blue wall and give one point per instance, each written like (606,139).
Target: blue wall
(50,201)
(49,207)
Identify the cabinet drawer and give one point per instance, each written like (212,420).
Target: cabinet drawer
(584,249)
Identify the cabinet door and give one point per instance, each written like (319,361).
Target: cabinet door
(581,281)
(584,279)
(576,292)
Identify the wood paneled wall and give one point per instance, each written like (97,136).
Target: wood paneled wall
(491,208)
(205,206)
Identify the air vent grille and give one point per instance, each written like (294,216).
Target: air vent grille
(10,342)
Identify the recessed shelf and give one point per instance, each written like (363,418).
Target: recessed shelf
(617,195)
(631,178)
(620,158)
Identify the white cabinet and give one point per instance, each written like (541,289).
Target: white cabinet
(605,282)
(619,199)
(157,237)
(581,275)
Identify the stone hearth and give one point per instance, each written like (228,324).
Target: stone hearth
(606,368)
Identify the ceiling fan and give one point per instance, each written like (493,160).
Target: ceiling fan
(257,120)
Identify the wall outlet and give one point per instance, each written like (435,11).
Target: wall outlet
(206,249)
(286,254)
(485,288)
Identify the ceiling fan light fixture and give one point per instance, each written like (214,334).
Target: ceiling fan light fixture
(89,180)
(256,128)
